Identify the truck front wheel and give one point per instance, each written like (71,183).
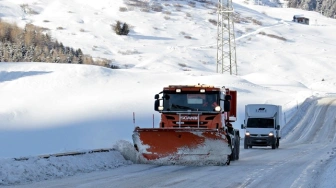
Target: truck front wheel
(228,160)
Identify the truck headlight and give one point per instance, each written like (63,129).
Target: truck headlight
(217,108)
(247,134)
(270,134)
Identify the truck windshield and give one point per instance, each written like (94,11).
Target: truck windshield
(192,102)
(260,123)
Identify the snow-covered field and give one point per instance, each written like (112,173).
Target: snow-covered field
(55,108)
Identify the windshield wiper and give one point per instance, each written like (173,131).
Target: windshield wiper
(182,107)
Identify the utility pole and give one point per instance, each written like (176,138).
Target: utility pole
(226,44)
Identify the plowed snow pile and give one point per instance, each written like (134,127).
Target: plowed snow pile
(37,169)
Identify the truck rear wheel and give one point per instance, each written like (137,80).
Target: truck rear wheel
(233,154)
(237,146)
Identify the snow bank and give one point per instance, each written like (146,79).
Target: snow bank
(37,169)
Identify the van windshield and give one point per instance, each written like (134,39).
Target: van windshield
(260,123)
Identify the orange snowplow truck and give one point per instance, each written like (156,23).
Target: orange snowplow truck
(195,126)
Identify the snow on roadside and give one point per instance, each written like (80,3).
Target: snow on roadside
(37,169)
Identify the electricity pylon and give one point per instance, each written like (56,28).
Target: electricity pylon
(226,44)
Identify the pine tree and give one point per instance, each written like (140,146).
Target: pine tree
(80,60)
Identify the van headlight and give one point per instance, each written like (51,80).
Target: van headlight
(247,134)
(271,134)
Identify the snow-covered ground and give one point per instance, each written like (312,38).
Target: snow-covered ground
(55,108)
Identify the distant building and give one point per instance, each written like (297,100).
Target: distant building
(300,19)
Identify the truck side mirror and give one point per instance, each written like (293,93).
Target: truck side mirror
(242,126)
(278,127)
(227,106)
(156,105)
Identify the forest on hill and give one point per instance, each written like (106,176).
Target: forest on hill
(34,44)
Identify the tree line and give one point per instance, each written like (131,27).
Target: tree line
(32,44)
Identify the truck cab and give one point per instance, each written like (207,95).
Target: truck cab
(262,125)
(195,106)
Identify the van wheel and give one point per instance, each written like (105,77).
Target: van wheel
(274,144)
(278,143)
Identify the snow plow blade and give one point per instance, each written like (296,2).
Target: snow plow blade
(157,145)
